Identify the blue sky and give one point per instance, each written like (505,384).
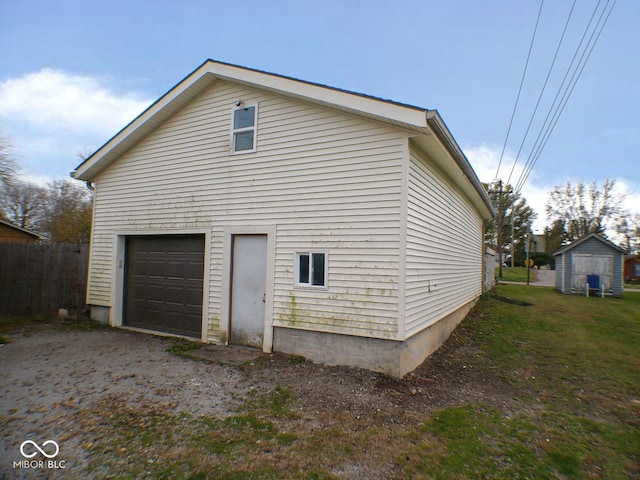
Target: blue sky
(72,73)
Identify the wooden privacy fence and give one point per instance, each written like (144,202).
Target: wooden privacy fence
(40,279)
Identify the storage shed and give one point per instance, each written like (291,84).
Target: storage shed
(589,256)
(250,208)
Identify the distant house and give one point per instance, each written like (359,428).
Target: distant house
(250,208)
(632,268)
(537,245)
(490,264)
(10,233)
(589,255)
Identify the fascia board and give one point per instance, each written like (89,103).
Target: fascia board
(583,239)
(149,118)
(20,229)
(440,131)
(342,99)
(413,118)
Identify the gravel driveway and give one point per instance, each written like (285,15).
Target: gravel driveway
(545,278)
(98,392)
(51,378)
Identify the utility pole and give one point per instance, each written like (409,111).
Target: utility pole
(499,219)
(529,262)
(513,240)
(500,223)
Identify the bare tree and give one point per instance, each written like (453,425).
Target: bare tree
(23,204)
(84,153)
(61,211)
(585,209)
(7,165)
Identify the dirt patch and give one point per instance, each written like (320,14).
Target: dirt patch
(68,385)
(511,301)
(226,355)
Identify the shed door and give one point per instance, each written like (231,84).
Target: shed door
(588,264)
(163,283)
(248,284)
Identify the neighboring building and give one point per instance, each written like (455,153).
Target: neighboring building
(538,245)
(589,255)
(490,265)
(249,208)
(632,268)
(9,233)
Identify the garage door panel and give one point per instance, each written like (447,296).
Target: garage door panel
(164,283)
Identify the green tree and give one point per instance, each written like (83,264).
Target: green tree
(554,236)
(67,212)
(512,212)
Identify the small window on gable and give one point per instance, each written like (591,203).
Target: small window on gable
(243,129)
(311,269)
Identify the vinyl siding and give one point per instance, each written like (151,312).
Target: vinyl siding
(560,261)
(591,246)
(327,180)
(444,247)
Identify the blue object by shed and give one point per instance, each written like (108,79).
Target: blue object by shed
(593,283)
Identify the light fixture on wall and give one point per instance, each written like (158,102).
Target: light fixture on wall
(239,102)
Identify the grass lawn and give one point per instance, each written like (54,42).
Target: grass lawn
(550,390)
(515,274)
(575,362)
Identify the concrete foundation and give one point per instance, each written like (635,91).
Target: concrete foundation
(391,357)
(101,314)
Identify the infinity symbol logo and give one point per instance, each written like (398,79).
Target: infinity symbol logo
(40,449)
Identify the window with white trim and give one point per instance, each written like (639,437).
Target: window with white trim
(311,269)
(243,129)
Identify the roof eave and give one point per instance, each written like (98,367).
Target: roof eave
(583,239)
(20,229)
(439,129)
(143,124)
(399,114)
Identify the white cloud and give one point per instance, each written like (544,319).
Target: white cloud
(485,160)
(631,192)
(53,100)
(51,115)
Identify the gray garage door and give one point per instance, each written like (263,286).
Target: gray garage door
(163,283)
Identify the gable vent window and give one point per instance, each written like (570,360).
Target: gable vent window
(244,127)
(311,269)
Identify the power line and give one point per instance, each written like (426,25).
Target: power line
(536,151)
(535,29)
(544,86)
(564,104)
(545,127)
